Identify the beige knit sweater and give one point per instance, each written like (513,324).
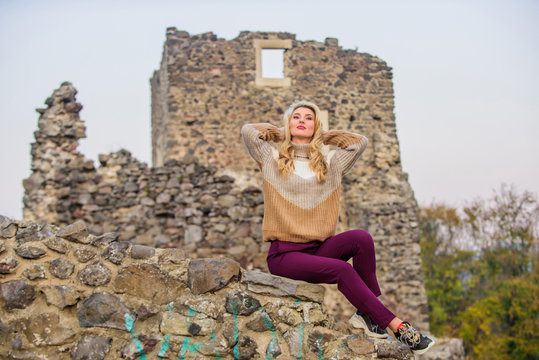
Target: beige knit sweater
(298,208)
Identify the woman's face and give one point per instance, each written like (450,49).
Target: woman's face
(302,125)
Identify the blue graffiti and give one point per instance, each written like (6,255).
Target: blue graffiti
(187,347)
(236,331)
(164,347)
(217,355)
(130,326)
(301,328)
(320,348)
(273,335)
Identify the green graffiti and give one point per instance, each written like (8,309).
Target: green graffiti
(320,348)
(191,312)
(217,355)
(187,347)
(130,326)
(301,328)
(164,347)
(236,335)
(274,340)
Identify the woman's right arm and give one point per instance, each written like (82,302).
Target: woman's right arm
(256,138)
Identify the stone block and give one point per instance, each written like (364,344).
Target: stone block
(95,274)
(116,252)
(394,350)
(263,283)
(104,310)
(46,329)
(30,252)
(261,322)
(171,256)
(8,264)
(135,279)
(318,339)
(61,268)
(106,238)
(6,331)
(34,232)
(61,296)
(8,228)
(294,339)
(274,349)
(17,294)
(193,234)
(91,347)
(84,253)
(76,232)
(142,252)
(34,272)
(359,345)
(247,348)
(176,324)
(241,303)
(289,316)
(206,275)
(146,311)
(56,244)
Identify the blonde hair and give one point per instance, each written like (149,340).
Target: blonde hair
(317,163)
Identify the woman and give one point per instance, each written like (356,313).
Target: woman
(301,199)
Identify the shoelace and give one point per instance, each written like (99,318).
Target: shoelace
(410,336)
(376,329)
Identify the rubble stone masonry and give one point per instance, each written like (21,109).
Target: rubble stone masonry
(207,88)
(69,294)
(203,195)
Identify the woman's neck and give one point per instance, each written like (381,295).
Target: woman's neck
(300,140)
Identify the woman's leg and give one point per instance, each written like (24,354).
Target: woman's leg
(356,244)
(319,269)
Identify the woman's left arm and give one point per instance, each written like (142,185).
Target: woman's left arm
(350,146)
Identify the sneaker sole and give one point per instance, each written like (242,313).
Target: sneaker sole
(422,351)
(359,324)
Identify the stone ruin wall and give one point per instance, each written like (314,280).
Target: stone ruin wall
(207,88)
(181,204)
(206,200)
(68,294)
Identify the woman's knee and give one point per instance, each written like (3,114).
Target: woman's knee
(345,272)
(364,240)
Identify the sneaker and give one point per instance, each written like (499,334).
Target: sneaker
(362,321)
(417,342)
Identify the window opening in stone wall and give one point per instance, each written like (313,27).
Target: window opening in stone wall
(273,63)
(273,51)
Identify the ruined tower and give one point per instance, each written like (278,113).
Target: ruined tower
(207,88)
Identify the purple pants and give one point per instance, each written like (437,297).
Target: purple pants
(326,262)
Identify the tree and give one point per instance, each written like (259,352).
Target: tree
(445,266)
(481,273)
(504,324)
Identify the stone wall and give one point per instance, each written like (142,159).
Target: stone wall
(205,195)
(68,294)
(181,204)
(188,205)
(207,88)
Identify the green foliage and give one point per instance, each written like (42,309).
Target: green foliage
(481,274)
(504,324)
(446,290)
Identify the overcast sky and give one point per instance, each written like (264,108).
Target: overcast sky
(466,77)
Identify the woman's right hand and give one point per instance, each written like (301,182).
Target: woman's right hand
(268,132)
